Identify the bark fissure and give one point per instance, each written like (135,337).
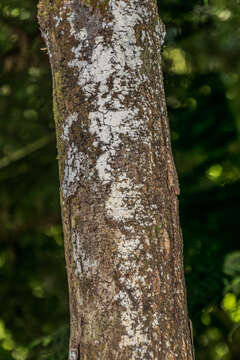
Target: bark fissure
(123,242)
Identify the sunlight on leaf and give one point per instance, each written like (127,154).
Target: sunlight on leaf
(20,353)
(229,301)
(205,318)
(178,60)
(232,306)
(214,171)
(6,337)
(223,14)
(221,350)
(37,288)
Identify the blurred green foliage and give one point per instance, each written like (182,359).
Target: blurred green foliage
(202,79)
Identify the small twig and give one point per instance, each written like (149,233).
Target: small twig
(27,150)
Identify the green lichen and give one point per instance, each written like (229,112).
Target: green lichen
(57,98)
(58,115)
(49,5)
(44,8)
(157,231)
(97,4)
(46,11)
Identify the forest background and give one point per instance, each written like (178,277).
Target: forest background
(202,82)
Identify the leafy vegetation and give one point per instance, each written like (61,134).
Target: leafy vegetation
(201,64)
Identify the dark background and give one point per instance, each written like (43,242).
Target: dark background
(202,77)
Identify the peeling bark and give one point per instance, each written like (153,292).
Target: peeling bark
(119,187)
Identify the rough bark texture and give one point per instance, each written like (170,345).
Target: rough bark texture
(119,186)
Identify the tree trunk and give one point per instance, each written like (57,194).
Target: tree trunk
(119,187)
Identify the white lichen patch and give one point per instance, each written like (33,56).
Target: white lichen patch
(58,20)
(119,59)
(72,355)
(76,164)
(114,124)
(122,191)
(125,203)
(83,262)
(68,124)
(160,31)
(136,335)
(132,284)
(155,322)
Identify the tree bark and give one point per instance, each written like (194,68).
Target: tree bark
(119,187)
